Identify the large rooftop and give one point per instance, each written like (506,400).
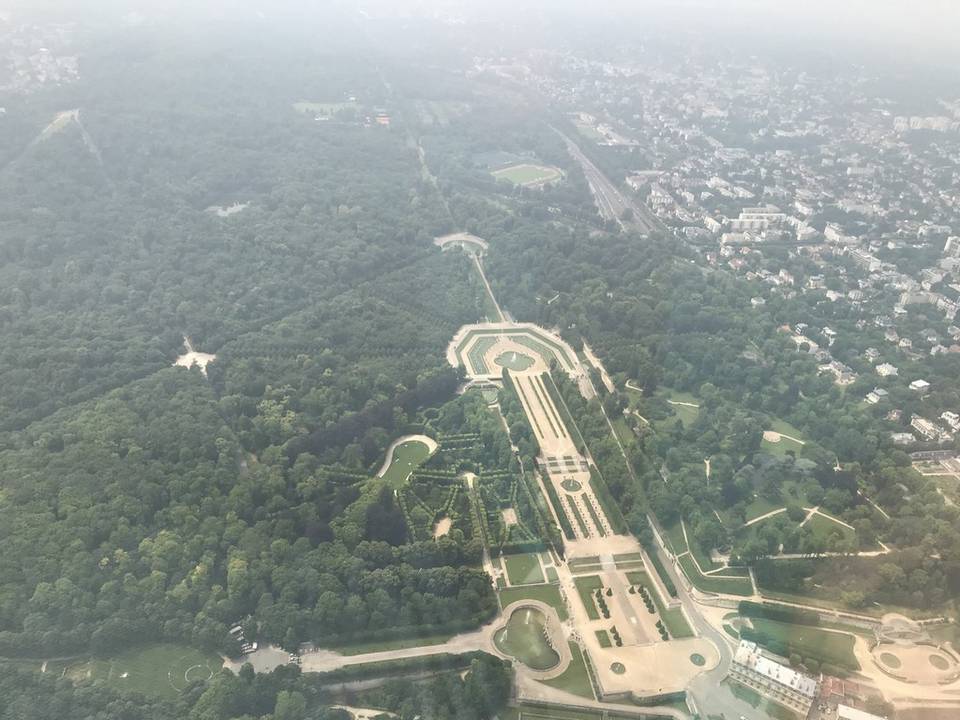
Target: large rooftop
(749,655)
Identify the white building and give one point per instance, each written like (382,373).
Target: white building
(772,679)
(920,386)
(930,430)
(887,370)
(951,419)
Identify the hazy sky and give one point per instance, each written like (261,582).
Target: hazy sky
(929,27)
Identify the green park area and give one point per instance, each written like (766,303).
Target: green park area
(683,405)
(523,569)
(524,638)
(715,583)
(791,438)
(161,669)
(576,678)
(824,646)
(406,457)
(549,594)
(823,526)
(708,583)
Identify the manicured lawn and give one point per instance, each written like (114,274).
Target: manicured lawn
(523,569)
(586,588)
(785,428)
(760,506)
(603,637)
(576,678)
(407,457)
(675,538)
(375,646)
(662,572)
(577,563)
(576,515)
(703,558)
(780,448)
(673,618)
(596,520)
(549,594)
(709,583)
(159,669)
(549,712)
(824,645)
(551,574)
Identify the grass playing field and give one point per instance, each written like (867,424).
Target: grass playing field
(528,174)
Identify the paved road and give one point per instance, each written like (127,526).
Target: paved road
(611,201)
(707,689)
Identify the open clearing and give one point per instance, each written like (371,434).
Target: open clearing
(162,669)
(442,527)
(192,357)
(528,174)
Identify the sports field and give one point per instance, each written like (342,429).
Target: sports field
(528,174)
(161,669)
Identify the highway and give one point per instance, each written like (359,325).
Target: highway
(611,201)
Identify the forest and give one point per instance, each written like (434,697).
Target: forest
(149,502)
